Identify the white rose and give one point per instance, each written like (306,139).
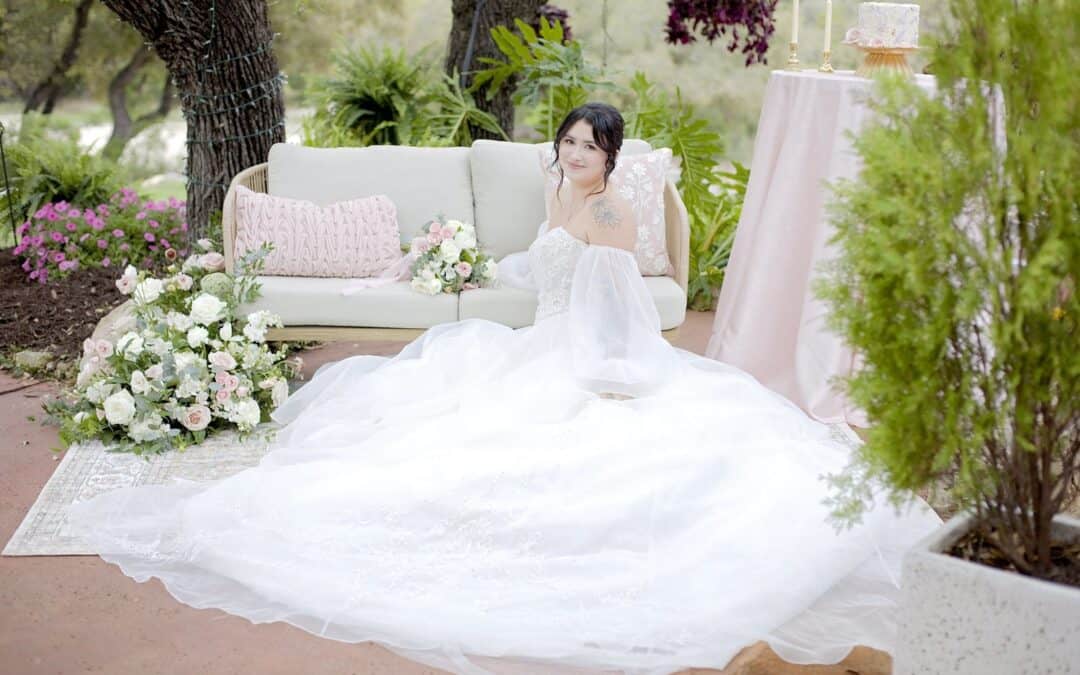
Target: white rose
(255,333)
(179,321)
(148,428)
(130,345)
(449,251)
(246,413)
(197,337)
(434,286)
(195,417)
(148,291)
(465,239)
(126,283)
(454,226)
(205,244)
(489,269)
(98,391)
(120,407)
(155,372)
(206,309)
(212,261)
(158,347)
(225,332)
(192,262)
(421,286)
(191,387)
(139,383)
(280,393)
(184,360)
(222,360)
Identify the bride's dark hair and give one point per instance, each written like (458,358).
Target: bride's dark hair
(607,127)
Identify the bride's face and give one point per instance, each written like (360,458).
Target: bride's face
(581,159)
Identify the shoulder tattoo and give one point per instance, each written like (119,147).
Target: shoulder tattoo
(605,214)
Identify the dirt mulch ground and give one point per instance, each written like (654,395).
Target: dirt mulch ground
(56,316)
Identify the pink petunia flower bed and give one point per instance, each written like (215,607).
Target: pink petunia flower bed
(60,238)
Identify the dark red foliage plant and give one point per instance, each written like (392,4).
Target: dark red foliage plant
(748,24)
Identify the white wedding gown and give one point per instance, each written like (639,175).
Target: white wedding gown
(475,504)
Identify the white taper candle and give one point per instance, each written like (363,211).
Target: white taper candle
(828,25)
(795,22)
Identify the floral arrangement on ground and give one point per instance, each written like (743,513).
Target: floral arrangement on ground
(192,365)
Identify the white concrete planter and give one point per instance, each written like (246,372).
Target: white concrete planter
(960,617)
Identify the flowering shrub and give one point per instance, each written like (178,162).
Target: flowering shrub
(447,259)
(62,237)
(190,367)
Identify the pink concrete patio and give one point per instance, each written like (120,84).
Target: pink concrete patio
(76,614)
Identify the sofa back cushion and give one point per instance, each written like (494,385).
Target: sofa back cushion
(508,189)
(352,238)
(421,182)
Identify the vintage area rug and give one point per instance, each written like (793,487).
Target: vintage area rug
(88,470)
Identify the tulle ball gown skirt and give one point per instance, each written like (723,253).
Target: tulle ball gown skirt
(474,503)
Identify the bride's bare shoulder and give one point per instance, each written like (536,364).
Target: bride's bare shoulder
(611,221)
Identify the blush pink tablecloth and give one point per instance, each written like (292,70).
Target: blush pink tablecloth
(768,320)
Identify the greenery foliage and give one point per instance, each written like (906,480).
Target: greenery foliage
(956,281)
(551,72)
(389,98)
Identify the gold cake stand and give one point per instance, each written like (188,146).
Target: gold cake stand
(884,59)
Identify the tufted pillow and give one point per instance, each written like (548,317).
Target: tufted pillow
(354,238)
(639,179)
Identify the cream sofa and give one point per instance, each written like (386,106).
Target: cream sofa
(497,186)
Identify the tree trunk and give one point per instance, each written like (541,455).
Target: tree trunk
(45,94)
(458,57)
(218,54)
(124,128)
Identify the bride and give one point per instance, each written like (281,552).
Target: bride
(576,494)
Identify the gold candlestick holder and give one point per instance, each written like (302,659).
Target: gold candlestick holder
(793,56)
(826,64)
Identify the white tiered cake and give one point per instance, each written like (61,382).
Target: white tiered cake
(886,25)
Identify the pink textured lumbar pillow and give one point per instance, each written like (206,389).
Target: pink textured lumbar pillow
(354,238)
(639,179)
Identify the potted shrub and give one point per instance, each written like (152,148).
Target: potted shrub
(958,256)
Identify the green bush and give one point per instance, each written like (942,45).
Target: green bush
(47,168)
(959,255)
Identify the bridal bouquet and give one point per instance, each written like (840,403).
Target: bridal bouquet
(189,367)
(447,260)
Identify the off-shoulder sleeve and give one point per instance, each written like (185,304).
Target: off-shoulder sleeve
(614,326)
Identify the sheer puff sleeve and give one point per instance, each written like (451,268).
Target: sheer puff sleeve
(614,328)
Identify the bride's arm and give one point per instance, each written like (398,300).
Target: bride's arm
(611,223)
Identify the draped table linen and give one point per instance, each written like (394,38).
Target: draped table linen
(769,322)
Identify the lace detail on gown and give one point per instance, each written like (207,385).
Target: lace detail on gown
(553,257)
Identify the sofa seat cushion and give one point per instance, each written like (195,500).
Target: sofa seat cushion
(421,182)
(670,300)
(516,307)
(310,301)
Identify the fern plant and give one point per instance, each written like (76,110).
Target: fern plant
(552,74)
(450,114)
(373,100)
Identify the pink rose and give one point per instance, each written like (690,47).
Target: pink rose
(433,238)
(213,261)
(242,392)
(464,269)
(222,360)
(232,382)
(223,395)
(196,417)
(103,348)
(221,378)
(183,281)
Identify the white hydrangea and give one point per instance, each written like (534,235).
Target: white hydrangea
(147,428)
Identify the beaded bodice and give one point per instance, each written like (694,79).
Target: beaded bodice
(552,259)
